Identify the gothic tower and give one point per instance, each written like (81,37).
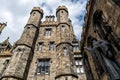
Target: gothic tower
(20,62)
(5,55)
(46,50)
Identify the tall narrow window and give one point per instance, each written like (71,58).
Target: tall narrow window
(6,62)
(48,31)
(63,28)
(43,66)
(5,65)
(40,46)
(51,46)
(1,50)
(75,46)
(79,65)
(65,51)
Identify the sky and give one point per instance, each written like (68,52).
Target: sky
(16,13)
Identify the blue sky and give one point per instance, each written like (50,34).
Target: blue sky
(17,12)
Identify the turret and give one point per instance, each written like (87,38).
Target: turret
(23,51)
(65,64)
(31,27)
(62,14)
(63,24)
(35,16)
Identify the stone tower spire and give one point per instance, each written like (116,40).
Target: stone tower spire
(23,52)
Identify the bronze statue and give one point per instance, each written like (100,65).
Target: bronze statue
(103,29)
(106,56)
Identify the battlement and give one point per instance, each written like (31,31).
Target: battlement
(62,8)
(37,9)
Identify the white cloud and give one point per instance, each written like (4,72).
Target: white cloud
(16,14)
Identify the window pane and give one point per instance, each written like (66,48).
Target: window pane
(51,46)
(79,65)
(65,51)
(47,70)
(39,63)
(43,66)
(76,62)
(80,62)
(39,70)
(82,69)
(48,32)
(43,69)
(1,50)
(75,46)
(46,63)
(40,46)
(78,70)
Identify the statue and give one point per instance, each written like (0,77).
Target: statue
(103,29)
(106,56)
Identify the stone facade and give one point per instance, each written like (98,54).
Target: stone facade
(5,55)
(46,50)
(109,20)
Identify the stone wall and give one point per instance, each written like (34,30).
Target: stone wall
(3,63)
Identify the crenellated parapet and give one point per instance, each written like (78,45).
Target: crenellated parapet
(62,8)
(37,9)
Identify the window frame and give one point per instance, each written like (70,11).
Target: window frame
(65,51)
(79,65)
(40,46)
(43,67)
(75,46)
(48,31)
(51,46)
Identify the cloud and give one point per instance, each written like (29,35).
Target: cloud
(16,14)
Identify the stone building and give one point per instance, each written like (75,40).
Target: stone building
(100,40)
(46,50)
(5,55)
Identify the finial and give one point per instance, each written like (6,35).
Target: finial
(7,38)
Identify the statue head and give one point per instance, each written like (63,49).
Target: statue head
(90,41)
